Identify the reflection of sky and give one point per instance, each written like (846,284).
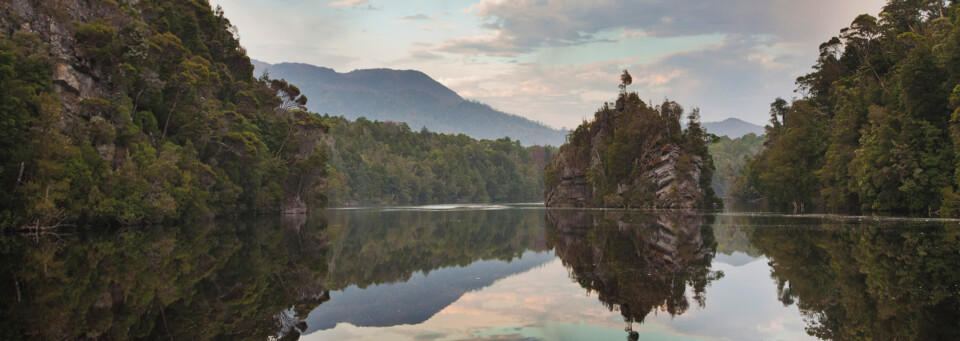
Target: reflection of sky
(544,304)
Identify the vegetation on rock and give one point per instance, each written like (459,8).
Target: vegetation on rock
(634,155)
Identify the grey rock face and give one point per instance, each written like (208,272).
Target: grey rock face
(670,178)
(73,78)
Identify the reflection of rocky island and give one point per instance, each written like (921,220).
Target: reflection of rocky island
(869,280)
(228,280)
(636,262)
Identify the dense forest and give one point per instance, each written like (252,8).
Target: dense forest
(634,155)
(878,125)
(730,157)
(143,111)
(385,163)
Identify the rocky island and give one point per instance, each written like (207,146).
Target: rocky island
(634,155)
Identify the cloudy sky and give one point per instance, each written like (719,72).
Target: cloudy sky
(557,61)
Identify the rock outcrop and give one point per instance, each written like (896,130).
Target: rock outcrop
(596,168)
(74,79)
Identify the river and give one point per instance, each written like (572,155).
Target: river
(492,272)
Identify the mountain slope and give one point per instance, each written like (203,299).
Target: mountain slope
(733,128)
(406,96)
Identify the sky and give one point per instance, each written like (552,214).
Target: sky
(558,61)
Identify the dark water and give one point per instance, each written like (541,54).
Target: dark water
(491,273)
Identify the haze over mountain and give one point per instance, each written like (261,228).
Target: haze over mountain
(406,96)
(732,128)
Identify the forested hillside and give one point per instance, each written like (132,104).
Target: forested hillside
(143,111)
(730,157)
(878,125)
(407,96)
(385,163)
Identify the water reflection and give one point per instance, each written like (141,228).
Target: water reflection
(232,280)
(476,273)
(636,262)
(867,279)
(375,246)
(392,267)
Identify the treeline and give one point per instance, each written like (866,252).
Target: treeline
(385,163)
(730,157)
(143,111)
(878,126)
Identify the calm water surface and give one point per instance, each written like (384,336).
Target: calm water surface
(513,272)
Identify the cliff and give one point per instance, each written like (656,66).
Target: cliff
(144,111)
(635,156)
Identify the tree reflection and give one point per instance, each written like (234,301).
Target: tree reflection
(224,280)
(636,262)
(379,247)
(871,280)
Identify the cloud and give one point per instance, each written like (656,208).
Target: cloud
(737,77)
(631,34)
(525,25)
(496,44)
(543,58)
(348,3)
(418,16)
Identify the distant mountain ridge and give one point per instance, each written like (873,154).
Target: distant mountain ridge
(733,128)
(407,96)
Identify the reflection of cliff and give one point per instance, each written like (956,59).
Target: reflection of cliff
(228,280)
(376,247)
(869,281)
(636,261)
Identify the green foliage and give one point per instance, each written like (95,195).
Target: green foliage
(96,39)
(730,157)
(877,130)
(176,126)
(628,141)
(386,163)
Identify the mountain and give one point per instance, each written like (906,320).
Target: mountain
(406,96)
(733,128)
